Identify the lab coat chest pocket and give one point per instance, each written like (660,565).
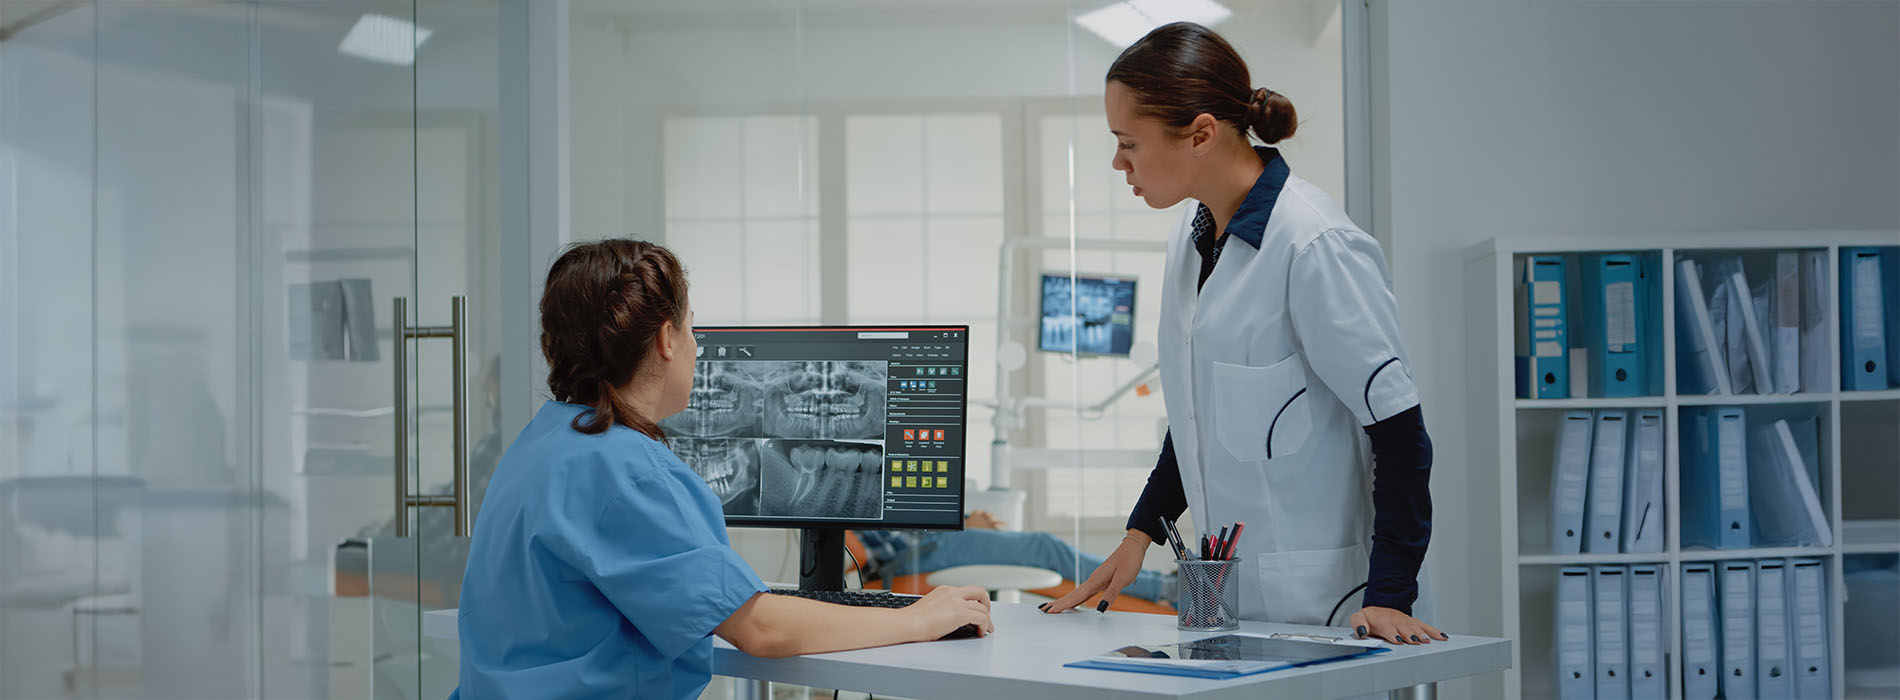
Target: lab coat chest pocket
(1261,412)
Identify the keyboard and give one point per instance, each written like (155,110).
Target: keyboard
(871,599)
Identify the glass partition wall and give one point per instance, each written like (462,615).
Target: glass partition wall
(208,386)
(211,403)
(874,163)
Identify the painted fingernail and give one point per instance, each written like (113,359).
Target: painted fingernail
(1043,607)
(1416,640)
(1362,631)
(1102,606)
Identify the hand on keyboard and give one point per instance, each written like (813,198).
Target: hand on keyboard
(949,612)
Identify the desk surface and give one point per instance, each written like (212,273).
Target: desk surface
(1025,656)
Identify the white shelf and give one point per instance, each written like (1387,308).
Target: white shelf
(1870,536)
(1695,555)
(1885,395)
(1590,559)
(1753,399)
(1592,403)
(1506,496)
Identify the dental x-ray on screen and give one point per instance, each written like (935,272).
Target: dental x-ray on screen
(1087,315)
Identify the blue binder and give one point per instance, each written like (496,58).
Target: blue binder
(1543,334)
(1738,629)
(1863,321)
(1701,671)
(1715,479)
(1616,324)
(1774,660)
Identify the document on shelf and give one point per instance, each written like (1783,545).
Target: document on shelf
(1785,310)
(1700,367)
(1783,500)
(1817,361)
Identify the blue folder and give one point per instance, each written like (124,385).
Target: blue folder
(1616,323)
(1715,506)
(1543,334)
(1863,320)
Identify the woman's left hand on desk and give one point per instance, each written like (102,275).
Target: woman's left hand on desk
(1393,626)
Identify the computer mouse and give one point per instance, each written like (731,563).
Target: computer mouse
(964,632)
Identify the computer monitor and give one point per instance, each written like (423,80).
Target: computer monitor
(827,429)
(1087,315)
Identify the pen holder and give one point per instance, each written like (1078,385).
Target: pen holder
(1210,595)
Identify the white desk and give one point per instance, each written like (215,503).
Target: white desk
(1025,656)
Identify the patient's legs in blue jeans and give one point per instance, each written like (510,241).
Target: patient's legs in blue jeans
(941,550)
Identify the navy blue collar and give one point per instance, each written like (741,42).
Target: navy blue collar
(1250,221)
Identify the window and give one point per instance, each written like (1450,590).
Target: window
(746,189)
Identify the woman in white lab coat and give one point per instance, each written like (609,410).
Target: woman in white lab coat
(1290,404)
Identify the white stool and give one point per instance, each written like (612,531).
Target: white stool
(1005,583)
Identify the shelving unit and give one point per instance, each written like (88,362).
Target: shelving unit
(1511,447)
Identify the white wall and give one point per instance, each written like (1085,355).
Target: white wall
(1501,117)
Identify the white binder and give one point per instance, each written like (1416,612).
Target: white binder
(1700,369)
(1603,511)
(1738,629)
(1774,665)
(1569,482)
(1701,670)
(1755,334)
(1612,631)
(1649,676)
(1575,649)
(1817,358)
(1785,322)
(1643,485)
(1807,596)
(1783,502)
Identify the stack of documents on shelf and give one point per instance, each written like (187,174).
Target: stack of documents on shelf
(1766,338)
(1228,656)
(1610,639)
(1606,487)
(1755,629)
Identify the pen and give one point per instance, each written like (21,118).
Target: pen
(1220,543)
(1228,553)
(1174,538)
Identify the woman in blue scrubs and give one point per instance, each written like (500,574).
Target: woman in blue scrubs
(599,566)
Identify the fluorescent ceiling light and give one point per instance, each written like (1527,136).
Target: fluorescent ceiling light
(1122,23)
(384,39)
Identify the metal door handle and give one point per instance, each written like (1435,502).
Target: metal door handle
(457,333)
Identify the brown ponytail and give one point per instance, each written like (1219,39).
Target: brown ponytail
(601,313)
(1182,70)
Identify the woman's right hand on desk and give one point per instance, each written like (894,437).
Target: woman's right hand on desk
(1115,573)
(946,608)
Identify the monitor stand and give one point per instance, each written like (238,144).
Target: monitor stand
(821,559)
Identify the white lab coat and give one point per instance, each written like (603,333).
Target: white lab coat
(1270,371)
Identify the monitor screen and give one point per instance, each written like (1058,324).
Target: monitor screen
(858,427)
(1087,315)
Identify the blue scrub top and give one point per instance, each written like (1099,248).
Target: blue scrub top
(598,568)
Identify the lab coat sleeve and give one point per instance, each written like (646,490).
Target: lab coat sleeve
(656,550)
(1342,309)
(1163,497)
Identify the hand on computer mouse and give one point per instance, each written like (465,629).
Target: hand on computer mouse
(947,608)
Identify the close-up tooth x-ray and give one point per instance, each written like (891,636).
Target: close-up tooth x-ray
(831,400)
(822,478)
(724,403)
(729,465)
(1087,315)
